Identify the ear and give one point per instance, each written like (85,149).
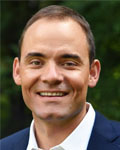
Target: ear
(94,73)
(16,71)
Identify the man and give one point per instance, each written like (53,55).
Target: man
(56,65)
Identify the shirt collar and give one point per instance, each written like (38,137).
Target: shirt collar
(32,140)
(77,140)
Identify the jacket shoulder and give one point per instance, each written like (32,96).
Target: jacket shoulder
(113,126)
(105,134)
(116,125)
(16,141)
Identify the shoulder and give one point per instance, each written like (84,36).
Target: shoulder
(108,129)
(104,122)
(18,139)
(105,133)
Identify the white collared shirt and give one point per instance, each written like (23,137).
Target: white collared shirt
(77,140)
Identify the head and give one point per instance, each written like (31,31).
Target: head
(62,13)
(56,65)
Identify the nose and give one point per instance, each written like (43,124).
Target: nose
(51,74)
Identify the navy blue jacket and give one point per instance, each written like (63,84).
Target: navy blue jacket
(105,136)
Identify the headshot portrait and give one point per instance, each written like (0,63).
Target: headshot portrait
(60,75)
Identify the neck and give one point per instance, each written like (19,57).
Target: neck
(49,134)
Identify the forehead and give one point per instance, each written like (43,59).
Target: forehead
(54,34)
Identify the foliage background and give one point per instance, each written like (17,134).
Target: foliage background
(104,18)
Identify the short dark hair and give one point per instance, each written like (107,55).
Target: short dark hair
(61,13)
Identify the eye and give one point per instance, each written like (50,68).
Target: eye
(69,64)
(36,63)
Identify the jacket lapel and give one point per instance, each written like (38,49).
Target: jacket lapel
(22,140)
(103,136)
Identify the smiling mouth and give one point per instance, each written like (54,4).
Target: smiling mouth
(52,94)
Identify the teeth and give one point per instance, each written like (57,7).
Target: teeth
(52,94)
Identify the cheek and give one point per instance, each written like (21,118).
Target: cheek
(28,78)
(79,84)
(78,80)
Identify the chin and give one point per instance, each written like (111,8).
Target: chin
(51,116)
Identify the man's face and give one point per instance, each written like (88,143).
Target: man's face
(54,69)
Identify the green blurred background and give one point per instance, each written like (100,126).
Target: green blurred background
(104,18)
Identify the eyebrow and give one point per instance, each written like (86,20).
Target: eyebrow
(64,56)
(34,54)
(72,56)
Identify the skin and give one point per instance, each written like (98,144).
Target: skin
(55,58)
